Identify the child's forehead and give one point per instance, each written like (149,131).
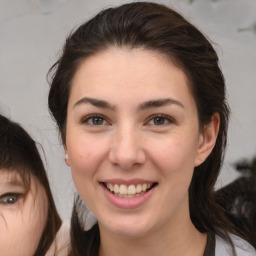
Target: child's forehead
(12,177)
(24,182)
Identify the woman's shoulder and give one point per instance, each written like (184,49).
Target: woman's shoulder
(60,246)
(242,247)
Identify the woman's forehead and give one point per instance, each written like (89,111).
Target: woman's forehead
(127,70)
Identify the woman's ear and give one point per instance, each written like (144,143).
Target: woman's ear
(66,157)
(207,139)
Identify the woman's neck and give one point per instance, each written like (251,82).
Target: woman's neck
(181,239)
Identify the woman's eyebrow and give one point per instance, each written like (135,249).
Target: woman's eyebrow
(145,105)
(95,102)
(159,103)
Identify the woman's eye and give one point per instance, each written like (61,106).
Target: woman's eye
(160,120)
(95,120)
(9,198)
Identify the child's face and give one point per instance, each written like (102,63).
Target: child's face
(22,217)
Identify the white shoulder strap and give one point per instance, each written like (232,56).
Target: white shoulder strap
(241,246)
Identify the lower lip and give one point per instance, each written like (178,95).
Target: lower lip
(128,203)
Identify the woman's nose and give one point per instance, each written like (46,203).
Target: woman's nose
(127,150)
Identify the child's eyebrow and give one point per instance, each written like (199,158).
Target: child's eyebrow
(15,182)
(12,181)
(12,185)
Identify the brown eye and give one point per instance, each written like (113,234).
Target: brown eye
(160,120)
(95,120)
(9,198)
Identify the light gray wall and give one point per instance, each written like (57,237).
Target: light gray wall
(32,33)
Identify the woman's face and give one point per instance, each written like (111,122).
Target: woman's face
(133,140)
(22,218)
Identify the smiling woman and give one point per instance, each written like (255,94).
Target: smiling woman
(139,100)
(137,142)
(28,217)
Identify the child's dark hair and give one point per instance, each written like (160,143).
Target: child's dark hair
(19,155)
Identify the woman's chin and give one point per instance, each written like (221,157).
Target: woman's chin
(127,230)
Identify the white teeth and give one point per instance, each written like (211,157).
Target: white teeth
(138,188)
(130,191)
(116,188)
(144,187)
(110,186)
(123,190)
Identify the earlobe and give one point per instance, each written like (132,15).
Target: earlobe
(66,158)
(207,139)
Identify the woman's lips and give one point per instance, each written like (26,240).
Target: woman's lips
(132,190)
(128,196)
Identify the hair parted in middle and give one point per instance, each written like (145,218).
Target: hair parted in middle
(157,28)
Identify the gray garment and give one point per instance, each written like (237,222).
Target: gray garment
(243,248)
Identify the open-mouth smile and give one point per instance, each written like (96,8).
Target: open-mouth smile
(129,191)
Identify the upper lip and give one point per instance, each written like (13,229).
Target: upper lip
(127,182)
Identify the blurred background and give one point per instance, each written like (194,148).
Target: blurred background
(32,33)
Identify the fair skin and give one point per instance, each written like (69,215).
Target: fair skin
(132,127)
(22,216)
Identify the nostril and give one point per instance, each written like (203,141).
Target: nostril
(126,160)
(127,155)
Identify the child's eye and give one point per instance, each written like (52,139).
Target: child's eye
(95,120)
(10,198)
(160,120)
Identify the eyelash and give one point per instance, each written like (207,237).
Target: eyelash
(87,119)
(162,117)
(102,119)
(5,198)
